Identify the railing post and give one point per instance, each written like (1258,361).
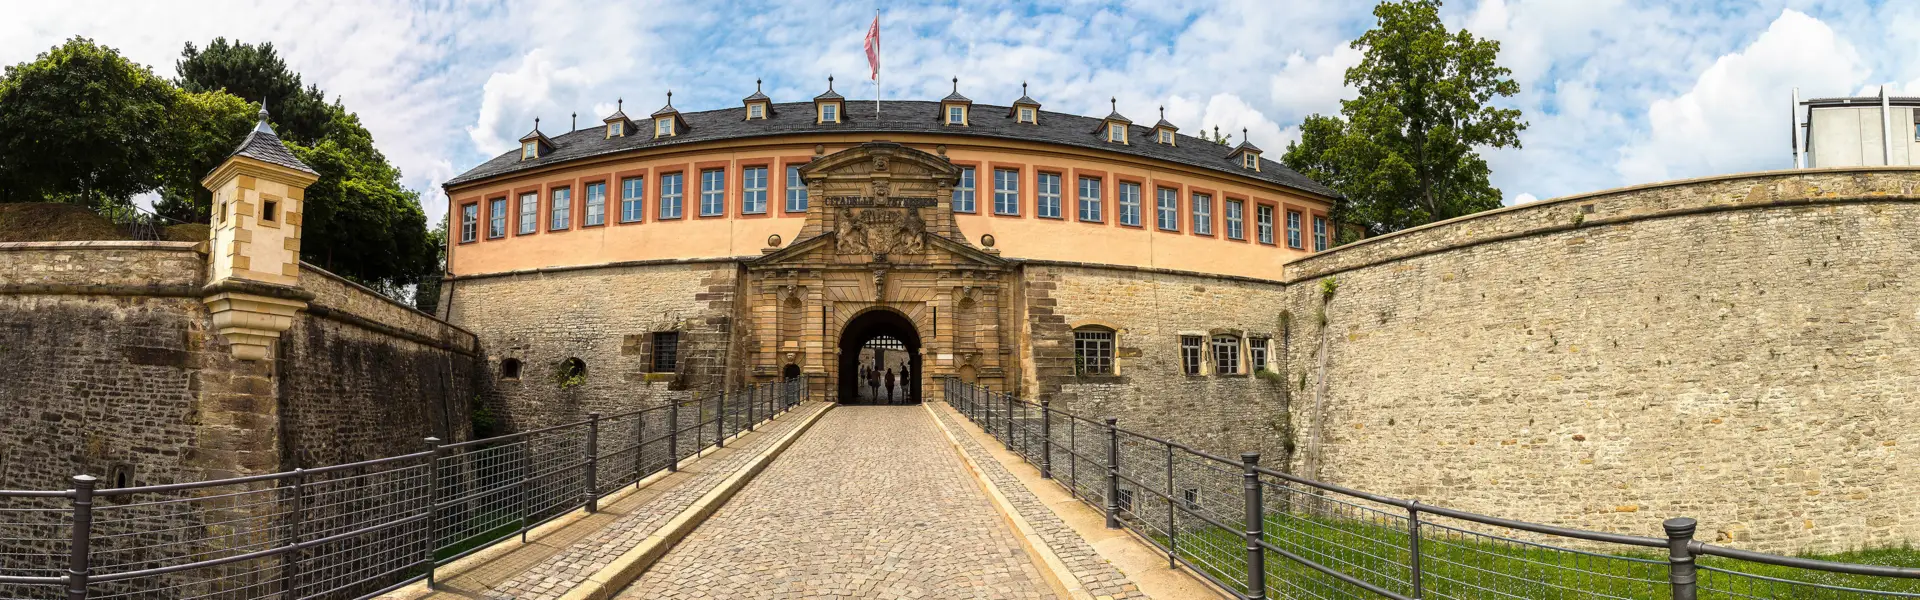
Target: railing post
(78,550)
(1113,473)
(1256,529)
(673,436)
(720,421)
(433,506)
(296,518)
(1008,438)
(593,462)
(753,397)
(639,447)
(1413,548)
(1680,567)
(1046,439)
(1173,531)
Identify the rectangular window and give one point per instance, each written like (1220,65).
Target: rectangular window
(1026,115)
(753,110)
(1116,132)
(1293,229)
(529,213)
(1006,192)
(1226,355)
(1191,496)
(633,199)
(1130,204)
(1168,205)
(1190,354)
(270,208)
(1123,499)
(1166,137)
(956,115)
(1256,353)
(1236,225)
(796,190)
(831,114)
(713,192)
(616,129)
(596,204)
(753,190)
(666,351)
(497,218)
(671,192)
(528,150)
(1319,233)
(1092,352)
(963,193)
(469,222)
(560,209)
(1263,223)
(1203,214)
(1047,191)
(662,126)
(1090,205)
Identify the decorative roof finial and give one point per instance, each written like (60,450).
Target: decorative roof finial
(1163,112)
(1023,88)
(620,105)
(756,84)
(829,83)
(669,96)
(1243,135)
(536,123)
(1115,103)
(956,84)
(576,121)
(1216,134)
(262,126)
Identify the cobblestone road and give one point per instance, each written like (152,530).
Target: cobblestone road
(871,502)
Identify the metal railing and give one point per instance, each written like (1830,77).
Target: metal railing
(1260,533)
(351,530)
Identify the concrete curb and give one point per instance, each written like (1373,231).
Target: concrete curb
(1065,584)
(418,590)
(629,565)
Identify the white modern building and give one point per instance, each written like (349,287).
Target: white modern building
(1854,132)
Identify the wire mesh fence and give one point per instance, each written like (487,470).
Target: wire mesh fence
(354,530)
(1261,533)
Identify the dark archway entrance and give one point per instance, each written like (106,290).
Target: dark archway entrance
(885,335)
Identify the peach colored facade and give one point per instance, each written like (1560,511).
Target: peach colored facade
(1022,236)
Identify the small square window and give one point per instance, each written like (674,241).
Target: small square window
(616,129)
(529,150)
(1026,115)
(830,113)
(1251,161)
(755,111)
(269,210)
(663,126)
(1166,137)
(956,115)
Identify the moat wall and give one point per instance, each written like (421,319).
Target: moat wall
(112,369)
(1743,350)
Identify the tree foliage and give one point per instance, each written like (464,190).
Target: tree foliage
(256,73)
(1403,153)
(204,128)
(82,124)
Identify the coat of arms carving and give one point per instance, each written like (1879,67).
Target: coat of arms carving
(880,231)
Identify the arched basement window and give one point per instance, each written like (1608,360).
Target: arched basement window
(510,368)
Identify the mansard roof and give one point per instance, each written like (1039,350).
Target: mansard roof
(895,117)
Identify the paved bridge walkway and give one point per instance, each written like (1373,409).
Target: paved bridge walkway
(872,502)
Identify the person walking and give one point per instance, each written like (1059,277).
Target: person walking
(873,383)
(906,382)
(889,386)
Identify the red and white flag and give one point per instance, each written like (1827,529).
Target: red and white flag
(873,47)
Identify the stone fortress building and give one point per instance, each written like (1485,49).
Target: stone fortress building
(1743,349)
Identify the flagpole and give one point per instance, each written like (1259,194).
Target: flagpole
(876,71)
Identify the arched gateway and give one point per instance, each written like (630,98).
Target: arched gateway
(879,257)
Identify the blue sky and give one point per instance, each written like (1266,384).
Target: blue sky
(1617,92)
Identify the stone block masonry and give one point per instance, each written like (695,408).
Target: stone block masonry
(608,318)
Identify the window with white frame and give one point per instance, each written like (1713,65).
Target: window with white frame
(830,113)
(1226,355)
(1293,229)
(755,111)
(633,203)
(1093,351)
(1236,224)
(1257,353)
(1129,204)
(796,190)
(662,126)
(1263,223)
(1090,203)
(1250,160)
(672,191)
(1006,192)
(529,213)
(963,193)
(1190,354)
(529,150)
(1203,214)
(1026,115)
(956,115)
(1047,195)
(497,218)
(560,209)
(469,222)
(596,204)
(753,191)
(713,192)
(1116,133)
(1319,233)
(1166,137)
(616,129)
(1167,207)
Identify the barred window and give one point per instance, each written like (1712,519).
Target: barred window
(666,351)
(1192,498)
(1190,354)
(1093,351)
(1226,355)
(963,193)
(1123,499)
(1256,353)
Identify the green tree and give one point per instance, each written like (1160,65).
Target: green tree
(1403,153)
(82,124)
(256,73)
(426,294)
(203,129)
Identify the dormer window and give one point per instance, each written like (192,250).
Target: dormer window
(534,143)
(756,111)
(953,108)
(827,107)
(830,113)
(1247,154)
(956,115)
(1114,127)
(666,121)
(1116,133)
(1166,137)
(1026,115)
(1026,109)
(529,150)
(757,104)
(617,122)
(1251,161)
(1163,131)
(616,129)
(662,127)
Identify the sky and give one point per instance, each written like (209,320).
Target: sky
(1615,92)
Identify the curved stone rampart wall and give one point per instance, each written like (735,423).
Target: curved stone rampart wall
(1744,350)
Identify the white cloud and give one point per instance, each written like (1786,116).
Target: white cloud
(1315,85)
(1733,117)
